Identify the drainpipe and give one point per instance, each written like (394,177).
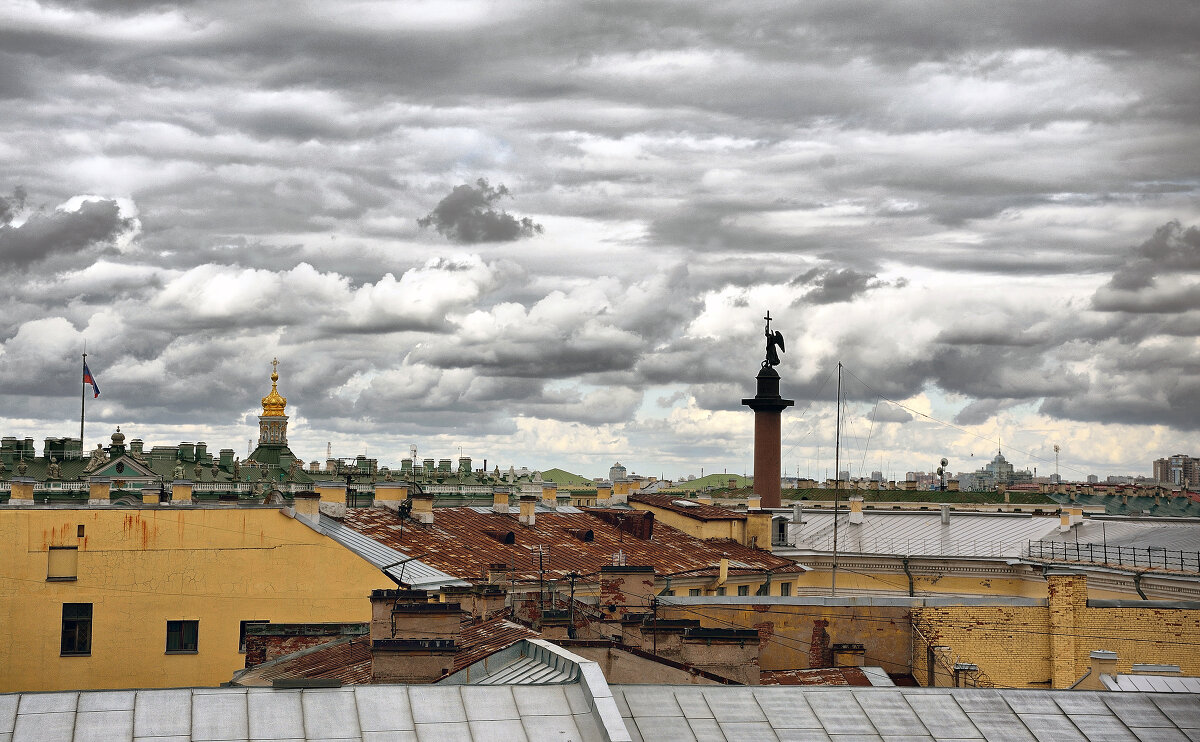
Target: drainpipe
(1137,584)
(910,578)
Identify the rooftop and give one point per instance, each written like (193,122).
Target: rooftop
(690,508)
(464,541)
(589,710)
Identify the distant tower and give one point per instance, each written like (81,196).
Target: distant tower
(616,471)
(272,424)
(768,407)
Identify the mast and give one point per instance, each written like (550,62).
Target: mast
(82,402)
(837,450)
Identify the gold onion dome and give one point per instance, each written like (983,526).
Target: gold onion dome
(274,403)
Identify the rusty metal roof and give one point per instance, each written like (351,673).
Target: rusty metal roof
(346,659)
(457,543)
(816,676)
(690,508)
(480,639)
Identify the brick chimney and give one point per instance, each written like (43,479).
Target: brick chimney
(422,508)
(603,495)
(390,494)
(500,500)
(527,516)
(307,507)
(98,490)
(412,640)
(549,494)
(1104,662)
(625,589)
(856,510)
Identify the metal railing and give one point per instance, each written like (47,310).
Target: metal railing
(1122,556)
(916,546)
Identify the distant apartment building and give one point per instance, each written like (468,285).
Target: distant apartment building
(1179,469)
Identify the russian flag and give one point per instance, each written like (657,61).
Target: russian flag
(89,379)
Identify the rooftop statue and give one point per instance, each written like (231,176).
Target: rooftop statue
(774,340)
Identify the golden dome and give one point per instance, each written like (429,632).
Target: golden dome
(274,403)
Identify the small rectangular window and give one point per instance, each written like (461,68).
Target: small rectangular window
(669,593)
(62,563)
(79,531)
(785,589)
(720,591)
(182,636)
(743,589)
(242,633)
(76,629)
(694,591)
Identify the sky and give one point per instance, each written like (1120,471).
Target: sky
(546,234)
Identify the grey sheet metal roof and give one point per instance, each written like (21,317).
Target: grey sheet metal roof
(911,714)
(1168,533)
(412,572)
(528,662)
(1152,683)
(921,533)
(590,710)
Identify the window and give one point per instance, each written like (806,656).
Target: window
(79,531)
(242,633)
(181,636)
(743,589)
(694,591)
(76,629)
(669,593)
(785,589)
(720,591)
(62,563)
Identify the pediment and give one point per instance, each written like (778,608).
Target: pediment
(123,467)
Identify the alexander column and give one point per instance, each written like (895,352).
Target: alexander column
(768,407)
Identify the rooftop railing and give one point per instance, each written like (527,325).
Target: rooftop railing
(1122,556)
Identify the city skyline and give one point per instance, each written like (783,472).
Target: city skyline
(547,234)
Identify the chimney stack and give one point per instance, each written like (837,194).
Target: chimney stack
(412,640)
(549,494)
(500,500)
(307,507)
(422,507)
(856,510)
(528,506)
(945,515)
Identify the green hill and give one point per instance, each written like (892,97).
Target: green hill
(711,481)
(567,480)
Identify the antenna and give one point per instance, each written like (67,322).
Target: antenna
(328,449)
(1057,479)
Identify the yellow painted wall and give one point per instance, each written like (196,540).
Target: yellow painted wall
(142,567)
(731,529)
(1028,646)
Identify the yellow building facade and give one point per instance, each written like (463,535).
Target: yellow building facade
(156,596)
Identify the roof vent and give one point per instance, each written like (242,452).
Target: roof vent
(504,537)
(584,534)
(685,503)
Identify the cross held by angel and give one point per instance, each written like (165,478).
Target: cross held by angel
(774,340)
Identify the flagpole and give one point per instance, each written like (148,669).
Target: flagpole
(82,402)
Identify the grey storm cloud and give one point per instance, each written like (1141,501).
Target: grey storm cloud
(11,205)
(835,285)
(61,232)
(467,215)
(1008,159)
(1162,275)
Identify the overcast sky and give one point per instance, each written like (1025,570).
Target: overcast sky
(547,233)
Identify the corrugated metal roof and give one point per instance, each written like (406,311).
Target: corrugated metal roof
(458,544)
(411,572)
(922,533)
